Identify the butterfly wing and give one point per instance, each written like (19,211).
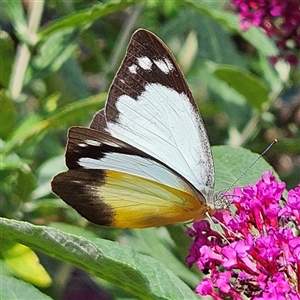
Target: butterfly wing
(145,160)
(114,184)
(151,108)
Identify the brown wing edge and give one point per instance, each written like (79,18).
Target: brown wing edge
(142,43)
(80,190)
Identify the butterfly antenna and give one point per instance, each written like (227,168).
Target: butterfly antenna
(222,226)
(213,224)
(255,161)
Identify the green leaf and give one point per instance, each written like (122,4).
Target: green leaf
(258,39)
(14,10)
(33,129)
(230,21)
(211,38)
(12,288)
(248,85)
(12,162)
(25,184)
(8,115)
(139,274)
(231,163)
(75,81)
(24,264)
(45,173)
(270,74)
(229,100)
(6,59)
(87,16)
(53,52)
(157,243)
(17,180)
(4,270)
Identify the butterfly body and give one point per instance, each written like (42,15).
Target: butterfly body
(145,160)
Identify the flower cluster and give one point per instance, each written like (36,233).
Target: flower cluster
(258,256)
(280,19)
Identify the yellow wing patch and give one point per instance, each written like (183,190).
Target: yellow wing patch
(122,200)
(139,203)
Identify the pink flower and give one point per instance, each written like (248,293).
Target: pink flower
(280,19)
(293,205)
(260,257)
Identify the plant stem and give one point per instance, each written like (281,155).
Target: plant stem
(23,52)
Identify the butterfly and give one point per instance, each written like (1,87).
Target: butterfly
(145,160)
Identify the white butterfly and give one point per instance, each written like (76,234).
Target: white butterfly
(145,160)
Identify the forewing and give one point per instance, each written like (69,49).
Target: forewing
(151,108)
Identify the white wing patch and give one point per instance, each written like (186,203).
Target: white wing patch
(164,65)
(92,143)
(151,124)
(145,63)
(135,165)
(132,69)
(98,144)
(82,145)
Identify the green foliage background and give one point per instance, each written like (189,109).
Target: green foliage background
(58,59)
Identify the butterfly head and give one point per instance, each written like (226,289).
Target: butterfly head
(216,201)
(221,201)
